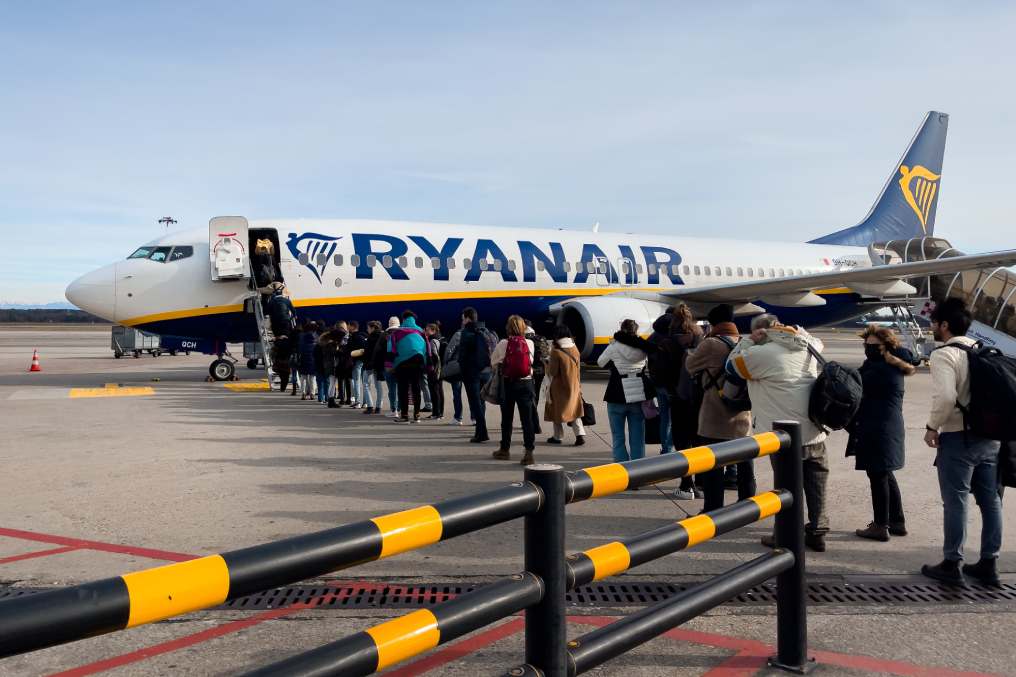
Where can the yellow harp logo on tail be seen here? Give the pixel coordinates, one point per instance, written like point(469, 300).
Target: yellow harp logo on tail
point(919, 186)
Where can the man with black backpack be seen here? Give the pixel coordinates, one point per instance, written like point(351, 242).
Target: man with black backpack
point(967, 458)
point(475, 349)
point(780, 370)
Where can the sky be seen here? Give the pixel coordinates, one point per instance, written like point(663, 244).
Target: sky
point(740, 120)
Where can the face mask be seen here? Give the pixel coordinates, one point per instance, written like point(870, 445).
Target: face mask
point(873, 352)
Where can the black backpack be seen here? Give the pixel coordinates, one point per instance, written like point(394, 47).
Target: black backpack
point(992, 393)
point(688, 389)
point(836, 395)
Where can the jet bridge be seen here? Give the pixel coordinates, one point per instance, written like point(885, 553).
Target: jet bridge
point(989, 294)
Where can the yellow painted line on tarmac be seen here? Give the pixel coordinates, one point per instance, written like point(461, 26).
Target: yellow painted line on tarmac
point(112, 385)
point(110, 392)
point(245, 387)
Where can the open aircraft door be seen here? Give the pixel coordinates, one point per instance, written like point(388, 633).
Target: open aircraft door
point(227, 248)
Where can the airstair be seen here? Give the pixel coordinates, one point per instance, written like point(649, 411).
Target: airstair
point(266, 337)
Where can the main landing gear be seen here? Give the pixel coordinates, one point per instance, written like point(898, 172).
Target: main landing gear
point(223, 369)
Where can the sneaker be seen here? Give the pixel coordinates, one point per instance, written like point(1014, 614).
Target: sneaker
point(416, 418)
point(477, 440)
point(368, 410)
point(699, 494)
point(684, 495)
point(426, 410)
point(580, 440)
point(432, 417)
point(393, 414)
point(402, 419)
point(455, 421)
point(551, 440)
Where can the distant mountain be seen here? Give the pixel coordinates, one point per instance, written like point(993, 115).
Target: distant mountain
point(35, 305)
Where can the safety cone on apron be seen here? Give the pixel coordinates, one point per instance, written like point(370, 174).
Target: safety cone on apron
point(35, 362)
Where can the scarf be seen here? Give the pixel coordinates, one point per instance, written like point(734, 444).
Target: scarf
point(566, 343)
point(725, 329)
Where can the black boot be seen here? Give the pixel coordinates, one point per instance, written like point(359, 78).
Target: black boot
point(985, 571)
point(947, 572)
point(331, 403)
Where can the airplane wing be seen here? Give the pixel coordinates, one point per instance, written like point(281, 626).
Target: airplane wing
point(797, 290)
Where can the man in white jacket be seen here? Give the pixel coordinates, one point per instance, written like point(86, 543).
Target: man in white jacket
point(780, 373)
point(966, 463)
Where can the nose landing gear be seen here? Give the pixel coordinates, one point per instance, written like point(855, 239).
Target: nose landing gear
point(223, 369)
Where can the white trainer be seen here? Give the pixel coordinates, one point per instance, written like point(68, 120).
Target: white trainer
point(455, 421)
point(684, 495)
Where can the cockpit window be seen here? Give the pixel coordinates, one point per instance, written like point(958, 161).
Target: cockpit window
point(160, 254)
point(142, 253)
point(181, 253)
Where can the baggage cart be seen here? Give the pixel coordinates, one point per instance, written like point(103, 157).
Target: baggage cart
point(131, 341)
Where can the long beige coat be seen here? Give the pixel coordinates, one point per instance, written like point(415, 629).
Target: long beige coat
point(565, 404)
point(716, 420)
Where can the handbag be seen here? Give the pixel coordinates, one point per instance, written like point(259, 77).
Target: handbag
point(649, 409)
point(451, 371)
point(491, 391)
point(588, 414)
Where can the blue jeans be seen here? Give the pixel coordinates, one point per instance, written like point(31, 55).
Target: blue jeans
point(964, 468)
point(393, 390)
point(666, 435)
point(356, 375)
point(474, 382)
point(457, 399)
point(378, 381)
point(367, 380)
point(322, 386)
point(631, 413)
point(426, 392)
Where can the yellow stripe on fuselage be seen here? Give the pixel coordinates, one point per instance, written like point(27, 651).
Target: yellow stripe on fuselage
point(179, 314)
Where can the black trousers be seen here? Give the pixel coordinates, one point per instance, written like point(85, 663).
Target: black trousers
point(712, 481)
point(409, 378)
point(472, 381)
point(537, 385)
point(684, 429)
point(436, 394)
point(885, 497)
point(284, 381)
point(517, 393)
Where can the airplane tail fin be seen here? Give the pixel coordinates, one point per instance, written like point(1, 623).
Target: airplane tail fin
point(906, 206)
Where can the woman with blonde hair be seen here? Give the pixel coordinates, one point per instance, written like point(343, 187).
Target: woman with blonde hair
point(877, 434)
point(513, 357)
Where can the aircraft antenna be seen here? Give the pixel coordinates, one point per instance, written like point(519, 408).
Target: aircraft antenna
point(169, 219)
point(596, 228)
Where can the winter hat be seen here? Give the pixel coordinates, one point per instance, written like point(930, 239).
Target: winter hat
point(721, 313)
point(394, 322)
point(530, 331)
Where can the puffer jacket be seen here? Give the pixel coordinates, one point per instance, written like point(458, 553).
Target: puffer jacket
point(408, 346)
point(626, 355)
point(877, 433)
point(329, 342)
point(308, 340)
point(780, 373)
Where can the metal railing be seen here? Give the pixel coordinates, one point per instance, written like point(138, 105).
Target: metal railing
point(54, 617)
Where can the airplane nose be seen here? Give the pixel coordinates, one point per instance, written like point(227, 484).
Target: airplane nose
point(95, 292)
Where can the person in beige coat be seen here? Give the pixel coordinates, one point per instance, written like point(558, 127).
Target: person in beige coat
point(717, 422)
point(564, 401)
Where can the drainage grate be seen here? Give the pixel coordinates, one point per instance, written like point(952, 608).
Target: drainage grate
point(865, 591)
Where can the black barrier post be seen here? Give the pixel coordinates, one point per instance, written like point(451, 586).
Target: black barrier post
point(544, 543)
point(791, 614)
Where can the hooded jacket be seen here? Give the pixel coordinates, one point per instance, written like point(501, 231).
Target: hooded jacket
point(408, 346)
point(780, 373)
point(626, 355)
point(877, 433)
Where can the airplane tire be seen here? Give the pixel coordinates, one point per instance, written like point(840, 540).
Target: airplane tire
point(252, 364)
point(222, 370)
point(137, 354)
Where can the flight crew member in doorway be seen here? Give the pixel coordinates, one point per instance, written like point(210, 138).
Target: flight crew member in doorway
point(780, 373)
point(966, 463)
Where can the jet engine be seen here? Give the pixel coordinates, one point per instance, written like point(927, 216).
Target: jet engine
point(593, 321)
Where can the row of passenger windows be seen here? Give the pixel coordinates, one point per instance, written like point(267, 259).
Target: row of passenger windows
point(590, 267)
point(163, 254)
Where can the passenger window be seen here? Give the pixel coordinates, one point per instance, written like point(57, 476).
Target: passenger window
point(540, 265)
point(371, 260)
point(652, 269)
point(419, 262)
point(322, 259)
point(751, 272)
point(798, 271)
point(717, 269)
point(698, 271)
point(567, 266)
point(638, 268)
point(354, 260)
point(497, 264)
point(142, 253)
point(761, 273)
point(467, 263)
point(675, 270)
point(740, 272)
point(729, 273)
point(772, 273)
point(435, 262)
point(708, 270)
point(160, 254)
point(304, 259)
point(451, 264)
point(590, 268)
point(687, 270)
point(483, 264)
point(181, 253)
point(386, 261)
point(578, 267)
point(337, 259)
point(511, 264)
point(404, 262)
point(781, 272)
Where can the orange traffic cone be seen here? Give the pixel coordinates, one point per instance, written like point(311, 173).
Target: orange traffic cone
point(35, 362)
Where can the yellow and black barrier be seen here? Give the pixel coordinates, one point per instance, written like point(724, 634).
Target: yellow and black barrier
point(613, 558)
point(402, 638)
point(612, 478)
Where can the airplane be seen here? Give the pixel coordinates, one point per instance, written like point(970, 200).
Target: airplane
point(197, 287)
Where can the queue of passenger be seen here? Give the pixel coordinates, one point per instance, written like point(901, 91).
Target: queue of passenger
point(702, 387)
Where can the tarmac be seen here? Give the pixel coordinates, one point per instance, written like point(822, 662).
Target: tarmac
point(100, 484)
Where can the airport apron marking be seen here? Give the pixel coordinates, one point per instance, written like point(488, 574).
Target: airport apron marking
point(110, 392)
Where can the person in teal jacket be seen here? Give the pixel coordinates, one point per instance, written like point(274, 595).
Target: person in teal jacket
point(408, 356)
